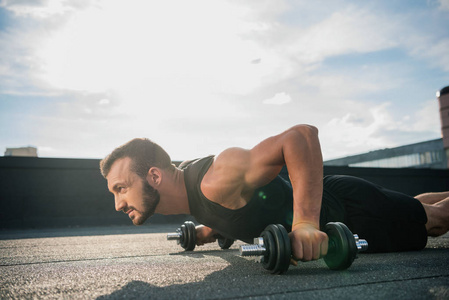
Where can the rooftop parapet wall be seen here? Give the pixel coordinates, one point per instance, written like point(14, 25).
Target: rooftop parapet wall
point(45, 192)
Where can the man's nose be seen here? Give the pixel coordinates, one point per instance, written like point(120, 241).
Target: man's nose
point(120, 203)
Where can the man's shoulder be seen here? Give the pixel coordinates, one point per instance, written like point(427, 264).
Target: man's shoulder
point(190, 162)
point(233, 156)
point(229, 168)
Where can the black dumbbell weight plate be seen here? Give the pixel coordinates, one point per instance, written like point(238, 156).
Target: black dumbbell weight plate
point(338, 256)
point(225, 243)
point(183, 239)
point(352, 247)
point(189, 233)
point(283, 249)
point(269, 258)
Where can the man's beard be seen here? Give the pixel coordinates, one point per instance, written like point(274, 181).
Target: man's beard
point(150, 201)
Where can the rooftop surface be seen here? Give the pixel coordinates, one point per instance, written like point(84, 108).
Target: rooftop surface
point(138, 262)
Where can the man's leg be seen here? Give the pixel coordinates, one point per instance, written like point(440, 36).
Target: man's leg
point(388, 220)
point(432, 198)
point(437, 217)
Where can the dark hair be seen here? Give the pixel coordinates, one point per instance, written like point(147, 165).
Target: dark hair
point(144, 154)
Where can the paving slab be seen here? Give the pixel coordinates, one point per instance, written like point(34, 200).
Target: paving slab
point(139, 263)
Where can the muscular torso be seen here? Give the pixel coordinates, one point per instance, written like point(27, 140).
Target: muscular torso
point(243, 218)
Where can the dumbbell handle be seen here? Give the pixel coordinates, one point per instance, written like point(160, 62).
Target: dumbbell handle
point(258, 248)
point(177, 236)
point(361, 244)
point(174, 236)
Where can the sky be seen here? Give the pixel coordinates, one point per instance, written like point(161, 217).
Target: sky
point(79, 78)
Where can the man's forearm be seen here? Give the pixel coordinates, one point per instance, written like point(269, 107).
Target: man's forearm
point(302, 154)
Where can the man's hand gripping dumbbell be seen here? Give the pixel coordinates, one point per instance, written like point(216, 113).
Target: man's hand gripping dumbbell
point(274, 248)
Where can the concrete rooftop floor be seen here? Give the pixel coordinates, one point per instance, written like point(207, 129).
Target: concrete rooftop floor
point(139, 263)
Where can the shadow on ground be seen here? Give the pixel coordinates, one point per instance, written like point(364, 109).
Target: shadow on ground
point(245, 278)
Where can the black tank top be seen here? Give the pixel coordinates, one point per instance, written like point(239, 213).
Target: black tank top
point(270, 204)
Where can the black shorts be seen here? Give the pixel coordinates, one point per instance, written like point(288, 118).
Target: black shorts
point(390, 221)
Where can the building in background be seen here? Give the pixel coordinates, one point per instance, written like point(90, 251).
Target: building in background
point(432, 154)
point(428, 154)
point(443, 99)
point(23, 151)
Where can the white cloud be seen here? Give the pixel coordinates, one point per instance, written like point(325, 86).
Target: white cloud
point(358, 128)
point(279, 99)
point(444, 5)
point(343, 85)
point(434, 51)
point(104, 101)
point(426, 119)
point(348, 30)
point(43, 9)
point(365, 128)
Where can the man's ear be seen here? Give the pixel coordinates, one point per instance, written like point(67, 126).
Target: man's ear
point(154, 177)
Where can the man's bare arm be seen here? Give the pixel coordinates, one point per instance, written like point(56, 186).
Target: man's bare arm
point(299, 149)
point(238, 172)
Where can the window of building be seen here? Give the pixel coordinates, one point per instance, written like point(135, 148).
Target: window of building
point(403, 161)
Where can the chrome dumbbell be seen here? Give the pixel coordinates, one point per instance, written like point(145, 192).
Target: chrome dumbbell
point(186, 237)
point(274, 249)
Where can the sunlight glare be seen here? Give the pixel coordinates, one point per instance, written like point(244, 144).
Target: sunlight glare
point(135, 47)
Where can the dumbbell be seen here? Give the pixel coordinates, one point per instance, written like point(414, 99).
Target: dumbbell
point(186, 237)
point(274, 249)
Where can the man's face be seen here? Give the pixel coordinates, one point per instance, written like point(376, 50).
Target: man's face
point(133, 195)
